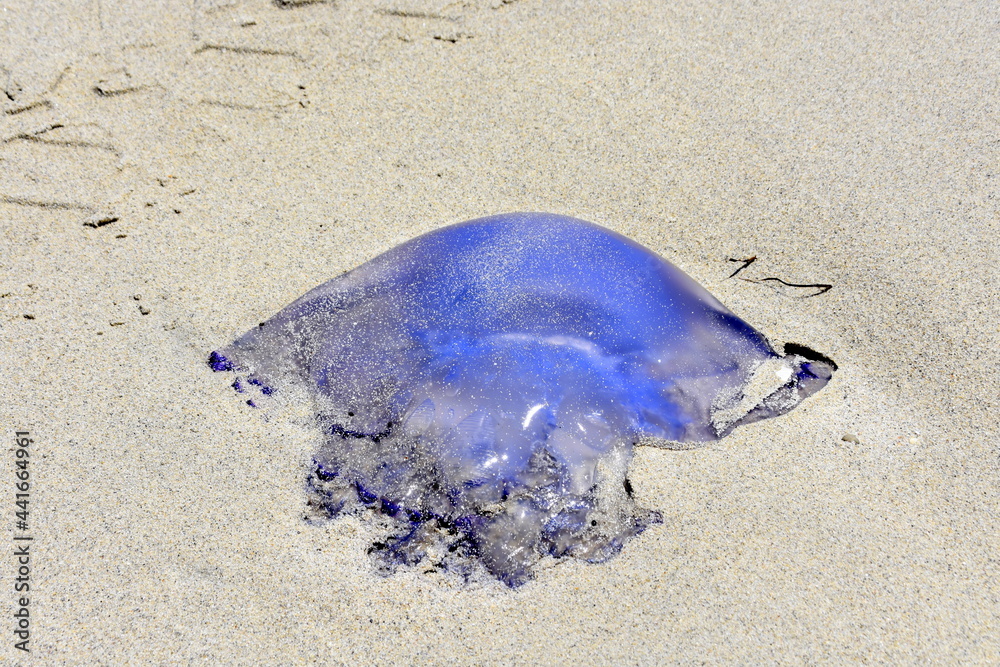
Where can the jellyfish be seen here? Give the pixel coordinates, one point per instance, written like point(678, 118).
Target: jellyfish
point(481, 389)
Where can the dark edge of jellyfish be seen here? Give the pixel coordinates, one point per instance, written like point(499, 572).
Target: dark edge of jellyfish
point(809, 354)
point(322, 500)
point(337, 429)
point(322, 474)
point(365, 496)
point(218, 362)
point(264, 389)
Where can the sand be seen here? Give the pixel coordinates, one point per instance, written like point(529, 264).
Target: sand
point(171, 175)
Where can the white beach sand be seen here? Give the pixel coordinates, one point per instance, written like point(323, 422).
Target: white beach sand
point(249, 151)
